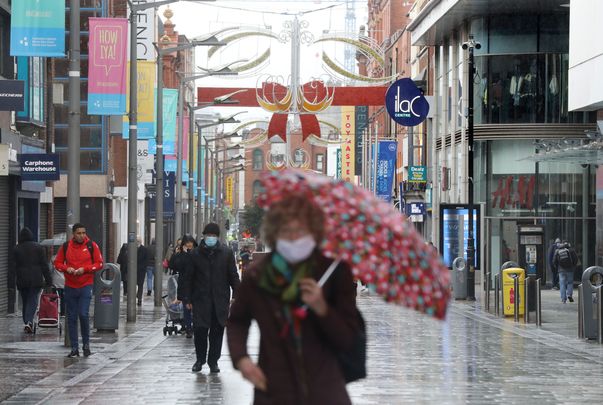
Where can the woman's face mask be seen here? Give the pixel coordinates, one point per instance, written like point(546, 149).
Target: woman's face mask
point(296, 250)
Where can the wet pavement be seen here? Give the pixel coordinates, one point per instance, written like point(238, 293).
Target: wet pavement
point(473, 357)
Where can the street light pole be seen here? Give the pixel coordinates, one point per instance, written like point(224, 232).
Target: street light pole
point(73, 154)
point(470, 46)
point(132, 144)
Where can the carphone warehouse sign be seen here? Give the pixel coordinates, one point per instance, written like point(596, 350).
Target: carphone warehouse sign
point(39, 166)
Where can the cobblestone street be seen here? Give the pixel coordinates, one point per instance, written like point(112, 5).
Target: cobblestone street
point(473, 357)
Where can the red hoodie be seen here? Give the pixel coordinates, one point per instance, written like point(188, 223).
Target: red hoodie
point(79, 256)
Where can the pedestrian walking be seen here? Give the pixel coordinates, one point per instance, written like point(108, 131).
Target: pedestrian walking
point(32, 273)
point(179, 263)
point(141, 269)
point(78, 259)
point(122, 260)
point(301, 324)
point(208, 280)
point(150, 266)
point(566, 259)
point(550, 256)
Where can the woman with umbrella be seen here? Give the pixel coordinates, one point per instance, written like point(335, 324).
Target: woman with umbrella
point(300, 323)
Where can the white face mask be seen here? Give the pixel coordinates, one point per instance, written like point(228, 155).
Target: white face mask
point(295, 251)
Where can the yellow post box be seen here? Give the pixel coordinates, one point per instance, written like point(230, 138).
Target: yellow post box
point(509, 293)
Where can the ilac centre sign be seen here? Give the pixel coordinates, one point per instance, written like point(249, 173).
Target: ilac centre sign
point(405, 103)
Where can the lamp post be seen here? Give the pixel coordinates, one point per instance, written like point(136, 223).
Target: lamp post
point(159, 170)
point(219, 201)
point(470, 46)
point(223, 71)
point(135, 7)
point(208, 156)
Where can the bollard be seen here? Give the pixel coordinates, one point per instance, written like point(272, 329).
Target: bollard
point(516, 299)
point(580, 314)
point(599, 316)
point(538, 303)
point(497, 294)
point(526, 311)
point(487, 297)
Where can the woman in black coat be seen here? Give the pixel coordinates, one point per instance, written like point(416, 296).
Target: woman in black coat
point(210, 276)
point(178, 263)
point(122, 260)
point(33, 273)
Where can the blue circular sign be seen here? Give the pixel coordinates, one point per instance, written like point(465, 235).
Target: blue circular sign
point(405, 103)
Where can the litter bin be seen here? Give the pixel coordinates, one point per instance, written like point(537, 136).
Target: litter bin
point(459, 278)
point(509, 293)
point(106, 298)
point(592, 278)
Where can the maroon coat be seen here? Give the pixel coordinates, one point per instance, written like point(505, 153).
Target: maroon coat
point(312, 377)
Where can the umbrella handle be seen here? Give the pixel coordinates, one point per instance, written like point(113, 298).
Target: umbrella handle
point(328, 273)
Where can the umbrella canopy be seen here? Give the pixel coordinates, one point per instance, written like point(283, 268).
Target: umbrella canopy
point(384, 250)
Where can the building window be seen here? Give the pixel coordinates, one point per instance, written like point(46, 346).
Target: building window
point(320, 162)
point(258, 159)
point(299, 157)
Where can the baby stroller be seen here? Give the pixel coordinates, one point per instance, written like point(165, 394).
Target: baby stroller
point(174, 319)
point(47, 314)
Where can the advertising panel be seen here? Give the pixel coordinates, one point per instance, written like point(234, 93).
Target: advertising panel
point(146, 101)
point(39, 166)
point(405, 103)
point(12, 95)
point(37, 28)
point(107, 66)
point(386, 165)
point(454, 225)
point(348, 134)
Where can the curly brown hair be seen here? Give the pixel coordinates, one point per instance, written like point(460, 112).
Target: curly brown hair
point(290, 208)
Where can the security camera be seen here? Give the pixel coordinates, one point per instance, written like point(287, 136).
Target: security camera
point(465, 45)
point(478, 45)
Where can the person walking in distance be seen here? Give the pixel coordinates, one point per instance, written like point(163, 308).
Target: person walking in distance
point(178, 263)
point(565, 260)
point(550, 256)
point(32, 271)
point(150, 268)
point(141, 269)
point(210, 275)
point(79, 258)
point(122, 260)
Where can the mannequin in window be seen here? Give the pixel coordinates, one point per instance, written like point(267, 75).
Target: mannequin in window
point(530, 91)
point(516, 86)
point(496, 93)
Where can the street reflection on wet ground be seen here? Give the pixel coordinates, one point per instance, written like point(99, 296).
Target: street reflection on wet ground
point(472, 357)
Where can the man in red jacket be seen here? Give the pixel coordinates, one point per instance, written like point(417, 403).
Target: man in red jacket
point(79, 259)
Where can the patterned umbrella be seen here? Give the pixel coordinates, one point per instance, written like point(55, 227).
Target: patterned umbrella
point(385, 252)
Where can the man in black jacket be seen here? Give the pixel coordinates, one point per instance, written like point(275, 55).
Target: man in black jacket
point(32, 270)
point(209, 279)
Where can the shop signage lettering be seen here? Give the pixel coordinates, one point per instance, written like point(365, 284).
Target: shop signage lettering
point(39, 166)
point(405, 103)
point(509, 195)
point(12, 95)
point(417, 174)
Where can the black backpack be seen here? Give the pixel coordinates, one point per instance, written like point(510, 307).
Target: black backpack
point(565, 258)
point(89, 244)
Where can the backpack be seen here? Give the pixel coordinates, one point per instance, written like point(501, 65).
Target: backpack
point(89, 244)
point(565, 259)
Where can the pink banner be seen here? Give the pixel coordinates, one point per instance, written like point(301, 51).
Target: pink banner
point(107, 66)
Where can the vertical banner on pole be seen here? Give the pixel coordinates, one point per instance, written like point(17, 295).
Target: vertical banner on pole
point(146, 101)
point(348, 142)
point(361, 122)
point(170, 109)
point(107, 66)
point(37, 28)
point(338, 169)
point(229, 188)
point(386, 163)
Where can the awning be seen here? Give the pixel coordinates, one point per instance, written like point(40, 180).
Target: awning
point(439, 18)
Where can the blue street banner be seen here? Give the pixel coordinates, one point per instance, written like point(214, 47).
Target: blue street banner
point(405, 103)
point(169, 183)
point(39, 166)
point(386, 165)
point(361, 124)
point(37, 28)
point(170, 118)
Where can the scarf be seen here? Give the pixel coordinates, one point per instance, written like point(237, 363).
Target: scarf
point(282, 281)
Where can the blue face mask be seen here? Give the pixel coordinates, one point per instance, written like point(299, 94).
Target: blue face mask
point(211, 241)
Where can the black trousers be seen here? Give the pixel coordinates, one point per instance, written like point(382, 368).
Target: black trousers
point(216, 334)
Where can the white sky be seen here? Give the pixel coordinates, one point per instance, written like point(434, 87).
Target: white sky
point(194, 20)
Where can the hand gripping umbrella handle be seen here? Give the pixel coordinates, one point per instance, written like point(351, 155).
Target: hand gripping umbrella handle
point(328, 273)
